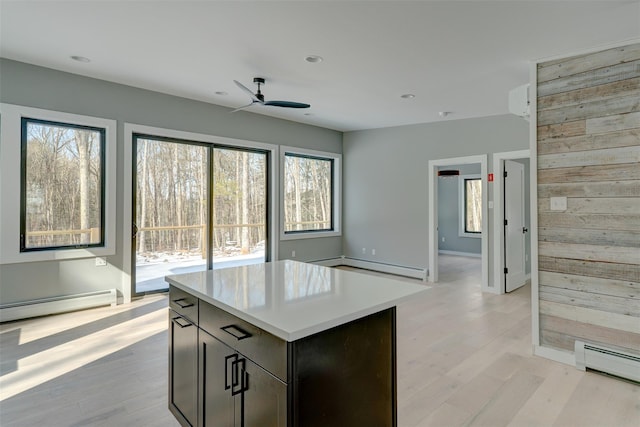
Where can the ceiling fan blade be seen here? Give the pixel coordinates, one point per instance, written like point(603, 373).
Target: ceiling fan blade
point(243, 107)
point(254, 98)
point(286, 104)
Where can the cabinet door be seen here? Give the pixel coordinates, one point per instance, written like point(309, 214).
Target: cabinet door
point(264, 402)
point(183, 369)
point(216, 372)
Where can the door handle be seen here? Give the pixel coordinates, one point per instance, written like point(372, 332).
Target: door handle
point(236, 377)
point(183, 304)
point(134, 230)
point(525, 229)
point(243, 384)
point(236, 332)
point(230, 367)
point(182, 323)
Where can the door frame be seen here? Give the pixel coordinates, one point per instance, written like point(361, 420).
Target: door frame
point(498, 214)
point(433, 216)
point(127, 218)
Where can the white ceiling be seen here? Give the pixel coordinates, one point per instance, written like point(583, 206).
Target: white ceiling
point(456, 56)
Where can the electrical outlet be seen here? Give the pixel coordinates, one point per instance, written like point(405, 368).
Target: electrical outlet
point(364, 250)
point(101, 261)
point(443, 240)
point(293, 254)
point(373, 252)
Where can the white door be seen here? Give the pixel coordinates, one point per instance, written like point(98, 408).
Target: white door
point(514, 229)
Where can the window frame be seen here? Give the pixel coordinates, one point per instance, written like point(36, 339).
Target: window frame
point(24, 122)
point(11, 172)
point(336, 194)
point(462, 206)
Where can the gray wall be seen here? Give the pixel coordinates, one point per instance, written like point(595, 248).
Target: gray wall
point(449, 213)
point(386, 185)
point(39, 87)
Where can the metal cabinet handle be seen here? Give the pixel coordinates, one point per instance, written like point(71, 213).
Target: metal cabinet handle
point(230, 367)
point(182, 322)
point(525, 229)
point(236, 332)
point(182, 304)
point(236, 377)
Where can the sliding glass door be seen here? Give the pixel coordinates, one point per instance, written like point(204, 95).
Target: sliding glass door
point(239, 207)
point(197, 206)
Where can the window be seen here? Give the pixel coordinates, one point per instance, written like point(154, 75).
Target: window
point(470, 206)
point(62, 185)
point(310, 194)
point(57, 185)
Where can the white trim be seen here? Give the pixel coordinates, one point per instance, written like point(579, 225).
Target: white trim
point(560, 356)
point(131, 128)
point(462, 203)
point(337, 193)
point(11, 129)
point(498, 214)
point(398, 270)
point(456, 253)
point(61, 304)
point(533, 197)
point(433, 216)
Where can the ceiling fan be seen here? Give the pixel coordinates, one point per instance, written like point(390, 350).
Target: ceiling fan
point(258, 97)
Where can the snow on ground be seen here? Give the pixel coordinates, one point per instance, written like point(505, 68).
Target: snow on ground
point(150, 271)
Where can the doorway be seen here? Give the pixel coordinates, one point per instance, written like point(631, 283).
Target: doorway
point(196, 206)
point(512, 248)
point(515, 228)
point(434, 166)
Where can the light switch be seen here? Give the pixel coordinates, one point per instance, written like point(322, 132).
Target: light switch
point(558, 204)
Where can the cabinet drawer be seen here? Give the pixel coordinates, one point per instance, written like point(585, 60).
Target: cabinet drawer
point(263, 348)
point(183, 303)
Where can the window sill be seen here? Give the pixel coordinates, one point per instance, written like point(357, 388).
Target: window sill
point(310, 235)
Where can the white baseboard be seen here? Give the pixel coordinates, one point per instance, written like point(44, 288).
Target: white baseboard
point(54, 305)
point(399, 270)
point(456, 253)
point(331, 262)
point(566, 357)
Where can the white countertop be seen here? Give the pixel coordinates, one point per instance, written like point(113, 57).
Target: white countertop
point(293, 300)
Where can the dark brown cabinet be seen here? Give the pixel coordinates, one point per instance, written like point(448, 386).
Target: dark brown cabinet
point(235, 392)
point(226, 372)
point(183, 369)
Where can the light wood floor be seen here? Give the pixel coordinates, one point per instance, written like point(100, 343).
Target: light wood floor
point(464, 358)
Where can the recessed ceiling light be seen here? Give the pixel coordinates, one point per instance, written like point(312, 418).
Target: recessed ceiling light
point(313, 59)
point(80, 58)
point(222, 93)
point(408, 96)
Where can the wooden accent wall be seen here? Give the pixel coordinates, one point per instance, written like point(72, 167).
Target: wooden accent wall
point(588, 148)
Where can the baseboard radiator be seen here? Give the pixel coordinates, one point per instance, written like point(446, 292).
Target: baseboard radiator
point(607, 360)
point(61, 304)
point(417, 273)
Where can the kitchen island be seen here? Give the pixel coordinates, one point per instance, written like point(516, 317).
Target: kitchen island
point(284, 344)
